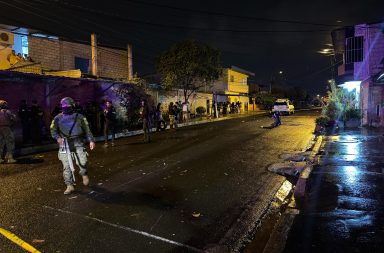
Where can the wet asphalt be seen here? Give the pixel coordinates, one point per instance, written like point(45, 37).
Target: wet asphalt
point(344, 208)
point(178, 193)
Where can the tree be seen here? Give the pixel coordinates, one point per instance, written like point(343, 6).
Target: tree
point(337, 103)
point(130, 96)
point(189, 65)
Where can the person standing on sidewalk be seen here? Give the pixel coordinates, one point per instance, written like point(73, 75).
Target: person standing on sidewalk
point(7, 139)
point(70, 128)
point(36, 122)
point(146, 117)
point(109, 122)
point(25, 116)
point(185, 112)
point(158, 117)
point(172, 111)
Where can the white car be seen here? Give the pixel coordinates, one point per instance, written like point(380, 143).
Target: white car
point(283, 105)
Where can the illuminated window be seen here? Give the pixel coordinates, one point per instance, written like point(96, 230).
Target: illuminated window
point(354, 51)
point(24, 44)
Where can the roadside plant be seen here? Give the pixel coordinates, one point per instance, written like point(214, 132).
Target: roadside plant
point(322, 121)
point(352, 113)
point(200, 110)
point(335, 107)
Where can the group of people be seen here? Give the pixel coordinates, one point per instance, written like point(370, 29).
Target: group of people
point(226, 107)
point(71, 130)
point(31, 117)
point(178, 113)
point(14, 58)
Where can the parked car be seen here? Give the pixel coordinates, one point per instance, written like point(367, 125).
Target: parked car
point(284, 106)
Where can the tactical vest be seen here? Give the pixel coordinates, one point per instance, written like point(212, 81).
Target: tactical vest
point(65, 123)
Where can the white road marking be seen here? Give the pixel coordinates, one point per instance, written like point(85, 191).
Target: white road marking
point(127, 229)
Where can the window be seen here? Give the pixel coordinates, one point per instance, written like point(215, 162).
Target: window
point(354, 51)
point(243, 81)
point(24, 44)
point(231, 78)
point(82, 64)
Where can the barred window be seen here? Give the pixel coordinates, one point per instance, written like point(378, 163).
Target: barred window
point(354, 51)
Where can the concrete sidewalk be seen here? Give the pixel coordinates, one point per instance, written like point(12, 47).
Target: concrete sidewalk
point(344, 206)
point(195, 121)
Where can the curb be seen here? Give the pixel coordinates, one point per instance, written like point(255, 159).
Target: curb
point(125, 133)
point(237, 235)
point(279, 236)
point(301, 184)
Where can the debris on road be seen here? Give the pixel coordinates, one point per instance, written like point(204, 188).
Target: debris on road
point(38, 241)
point(196, 214)
point(288, 168)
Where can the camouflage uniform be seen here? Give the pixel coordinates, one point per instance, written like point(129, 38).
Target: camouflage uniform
point(7, 138)
point(60, 128)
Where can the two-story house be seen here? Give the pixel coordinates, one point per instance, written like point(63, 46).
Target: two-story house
point(361, 51)
point(233, 87)
point(46, 54)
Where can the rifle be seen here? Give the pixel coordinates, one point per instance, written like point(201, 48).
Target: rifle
point(69, 157)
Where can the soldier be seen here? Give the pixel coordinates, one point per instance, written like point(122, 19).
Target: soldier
point(72, 127)
point(7, 118)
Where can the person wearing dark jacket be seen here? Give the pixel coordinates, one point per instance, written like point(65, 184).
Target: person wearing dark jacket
point(145, 116)
point(25, 116)
point(172, 112)
point(109, 122)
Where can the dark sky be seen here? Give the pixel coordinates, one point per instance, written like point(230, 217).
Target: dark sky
point(260, 36)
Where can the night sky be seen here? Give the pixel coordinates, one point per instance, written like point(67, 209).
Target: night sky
point(264, 37)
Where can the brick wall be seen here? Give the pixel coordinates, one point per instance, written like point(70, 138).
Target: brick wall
point(60, 55)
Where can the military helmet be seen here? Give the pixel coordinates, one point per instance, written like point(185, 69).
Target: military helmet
point(67, 102)
point(3, 104)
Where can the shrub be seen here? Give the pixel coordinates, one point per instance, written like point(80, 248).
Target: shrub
point(352, 113)
point(200, 110)
point(322, 121)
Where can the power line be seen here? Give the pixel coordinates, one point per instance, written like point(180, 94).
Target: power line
point(230, 15)
point(319, 71)
point(116, 16)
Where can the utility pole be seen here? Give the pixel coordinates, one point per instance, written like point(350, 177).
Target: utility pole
point(130, 67)
point(94, 54)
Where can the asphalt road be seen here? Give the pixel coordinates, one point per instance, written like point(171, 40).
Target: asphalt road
point(179, 193)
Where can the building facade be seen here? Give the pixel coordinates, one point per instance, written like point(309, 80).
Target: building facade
point(362, 53)
point(233, 87)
